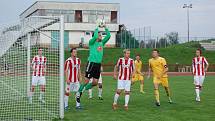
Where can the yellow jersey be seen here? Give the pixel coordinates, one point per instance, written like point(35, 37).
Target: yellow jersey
point(138, 66)
point(158, 65)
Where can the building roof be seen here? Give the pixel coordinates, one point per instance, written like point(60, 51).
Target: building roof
point(57, 4)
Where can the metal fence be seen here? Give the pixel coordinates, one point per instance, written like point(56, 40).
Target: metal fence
point(142, 38)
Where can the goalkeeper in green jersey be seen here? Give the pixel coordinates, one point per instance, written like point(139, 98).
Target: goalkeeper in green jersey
point(93, 68)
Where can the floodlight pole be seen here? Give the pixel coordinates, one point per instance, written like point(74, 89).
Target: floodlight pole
point(188, 20)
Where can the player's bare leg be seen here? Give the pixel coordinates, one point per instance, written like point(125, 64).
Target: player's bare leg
point(116, 96)
point(87, 85)
point(127, 96)
point(95, 82)
point(31, 94)
point(42, 91)
point(66, 97)
point(168, 94)
point(141, 86)
point(156, 93)
point(91, 85)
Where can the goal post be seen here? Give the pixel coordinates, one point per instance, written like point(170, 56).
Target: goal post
point(23, 44)
point(61, 67)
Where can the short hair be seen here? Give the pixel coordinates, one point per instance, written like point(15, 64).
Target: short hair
point(156, 50)
point(199, 50)
point(138, 55)
point(93, 33)
point(40, 49)
point(125, 50)
point(72, 50)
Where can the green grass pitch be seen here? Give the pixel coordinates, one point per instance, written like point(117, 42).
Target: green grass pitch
point(141, 106)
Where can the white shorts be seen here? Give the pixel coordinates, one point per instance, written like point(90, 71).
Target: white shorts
point(198, 80)
point(38, 80)
point(124, 84)
point(74, 86)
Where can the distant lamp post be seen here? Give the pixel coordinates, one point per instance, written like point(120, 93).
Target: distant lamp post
point(188, 20)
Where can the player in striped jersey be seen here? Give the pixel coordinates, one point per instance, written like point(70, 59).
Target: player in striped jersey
point(73, 76)
point(126, 69)
point(199, 66)
point(38, 76)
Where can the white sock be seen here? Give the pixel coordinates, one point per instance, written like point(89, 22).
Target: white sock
point(126, 99)
point(41, 95)
point(77, 104)
point(116, 98)
point(197, 92)
point(100, 92)
point(66, 100)
point(90, 93)
point(77, 96)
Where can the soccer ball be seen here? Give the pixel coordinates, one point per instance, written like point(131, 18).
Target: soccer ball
point(100, 23)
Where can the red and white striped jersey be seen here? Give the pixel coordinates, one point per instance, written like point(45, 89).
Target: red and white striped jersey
point(126, 67)
point(39, 64)
point(198, 66)
point(72, 66)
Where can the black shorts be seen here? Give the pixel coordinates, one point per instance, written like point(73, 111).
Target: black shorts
point(93, 70)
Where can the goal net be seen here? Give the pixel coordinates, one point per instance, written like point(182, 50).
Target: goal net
point(32, 54)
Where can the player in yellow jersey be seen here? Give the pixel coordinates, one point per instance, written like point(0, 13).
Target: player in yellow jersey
point(138, 75)
point(159, 68)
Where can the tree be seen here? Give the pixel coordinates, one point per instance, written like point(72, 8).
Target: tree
point(163, 42)
point(172, 37)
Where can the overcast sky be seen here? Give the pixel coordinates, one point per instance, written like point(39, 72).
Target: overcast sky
point(162, 15)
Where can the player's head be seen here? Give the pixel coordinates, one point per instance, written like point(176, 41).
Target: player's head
point(126, 53)
point(198, 52)
point(73, 52)
point(99, 39)
point(40, 51)
point(155, 53)
point(138, 57)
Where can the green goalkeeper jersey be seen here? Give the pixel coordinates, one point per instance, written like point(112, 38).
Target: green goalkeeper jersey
point(96, 48)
